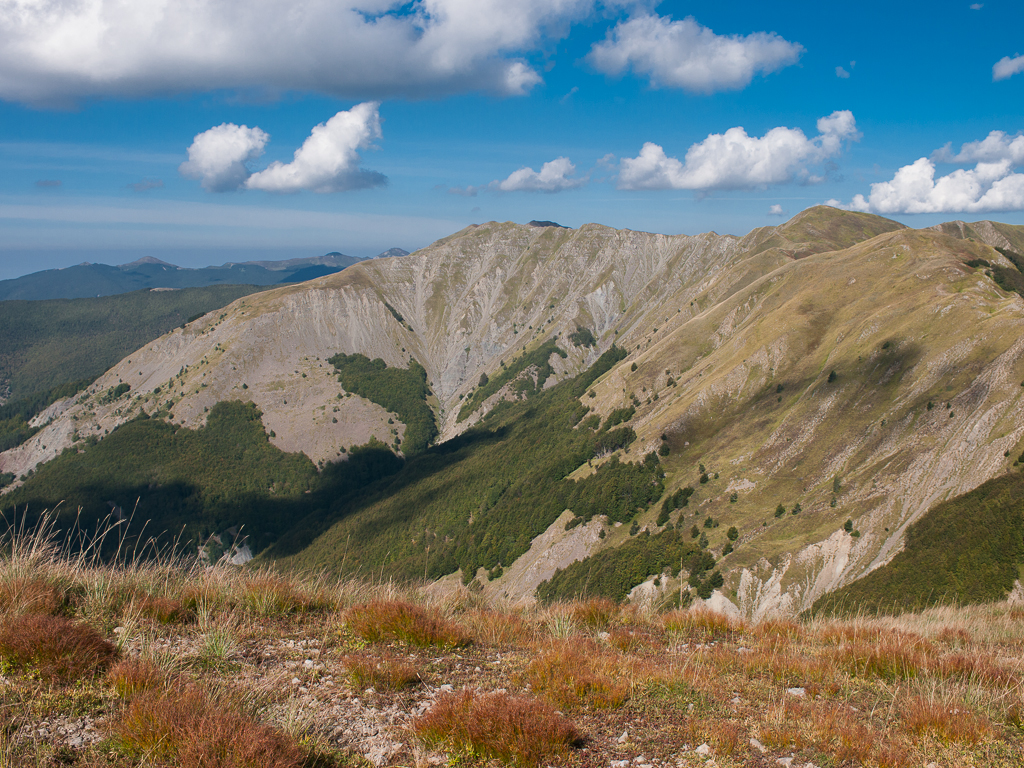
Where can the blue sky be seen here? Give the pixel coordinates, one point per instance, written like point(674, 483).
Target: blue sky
point(170, 129)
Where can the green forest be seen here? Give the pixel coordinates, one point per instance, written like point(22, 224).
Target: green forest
point(965, 550)
point(539, 358)
point(45, 344)
point(614, 572)
point(403, 391)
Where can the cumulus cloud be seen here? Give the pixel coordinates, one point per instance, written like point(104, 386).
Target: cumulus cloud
point(991, 185)
point(734, 160)
point(328, 161)
point(554, 176)
point(58, 51)
point(776, 210)
point(684, 54)
point(218, 157)
point(840, 72)
point(1007, 67)
point(976, 6)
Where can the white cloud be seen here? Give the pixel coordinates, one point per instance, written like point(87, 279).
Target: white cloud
point(54, 51)
point(991, 185)
point(1007, 67)
point(776, 210)
point(994, 147)
point(840, 72)
point(554, 176)
point(218, 156)
point(684, 54)
point(328, 161)
point(734, 160)
point(976, 6)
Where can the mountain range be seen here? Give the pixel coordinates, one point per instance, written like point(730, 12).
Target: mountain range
point(90, 280)
point(526, 408)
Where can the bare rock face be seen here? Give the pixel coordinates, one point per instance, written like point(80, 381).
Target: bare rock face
point(840, 362)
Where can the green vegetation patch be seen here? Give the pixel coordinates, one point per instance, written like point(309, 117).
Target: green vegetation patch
point(480, 499)
point(186, 483)
point(965, 550)
point(14, 417)
point(400, 390)
point(44, 344)
point(539, 357)
point(612, 573)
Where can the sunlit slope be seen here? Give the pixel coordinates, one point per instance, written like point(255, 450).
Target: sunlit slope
point(907, 328)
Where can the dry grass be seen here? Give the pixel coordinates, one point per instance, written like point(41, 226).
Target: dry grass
point(699, 625)
point(942, 686)
point(577, 674)
point(388, 620)
point(383, 673)
point(55, 648)
point(183, 726)
point(130, 677)
point(513, 729)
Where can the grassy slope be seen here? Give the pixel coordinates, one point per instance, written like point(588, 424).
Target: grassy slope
point(965, 550)
point(44, 344)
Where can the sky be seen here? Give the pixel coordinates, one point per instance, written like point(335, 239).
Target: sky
point(210, 131)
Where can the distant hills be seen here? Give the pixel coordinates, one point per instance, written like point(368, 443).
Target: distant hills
point(92, 280)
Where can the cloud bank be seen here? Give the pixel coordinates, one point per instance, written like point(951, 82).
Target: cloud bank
point(684, 54)
point(991, 185)
point(328, 161)
point(57, 50)
point(734, 160)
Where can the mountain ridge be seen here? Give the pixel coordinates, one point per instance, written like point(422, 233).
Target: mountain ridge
point(750, 355)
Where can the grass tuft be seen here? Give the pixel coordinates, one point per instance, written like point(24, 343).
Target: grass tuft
point(513, 729)
point(578, 674)
point(701, 625)
point(130, 677)
point(382, 673)
point(184, 727)
point(55, 648)
point(388, 620)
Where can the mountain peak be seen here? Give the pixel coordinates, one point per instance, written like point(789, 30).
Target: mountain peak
point(147, 260)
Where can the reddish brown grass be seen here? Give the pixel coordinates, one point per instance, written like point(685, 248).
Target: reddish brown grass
point(950, 722)
point(383, 673)
point(165, 610)
point(497, 628)
point(893, 656)
point(130, 677)
point(578, 674)
point(30, 595)
point(266, 594)
point(956, 637)
point(977, 667)
point(596, 613)
point(385, 620)
point(626, 640)
point(701, 625)
point(513, 729)
point(184, 727)
point(56, 648)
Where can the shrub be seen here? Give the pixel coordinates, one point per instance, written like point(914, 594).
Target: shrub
point(733, 533)
point(513, 729)
point(780, 511)
point(384, 673)
point(381, 621)
point(56, 648)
